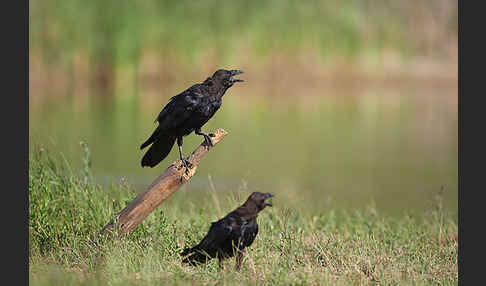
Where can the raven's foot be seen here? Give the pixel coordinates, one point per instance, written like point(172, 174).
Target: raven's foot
point(187, 165)
point(207, 139)
point(220, 264)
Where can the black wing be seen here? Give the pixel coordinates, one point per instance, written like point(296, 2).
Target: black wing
point(218, 234)
point(179, 109)
point(249, 231)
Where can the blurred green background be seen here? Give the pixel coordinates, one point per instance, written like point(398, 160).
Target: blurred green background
point(344, 102)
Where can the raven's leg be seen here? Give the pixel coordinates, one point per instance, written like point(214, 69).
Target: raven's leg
point(220, 263)
point(186, 163)
point(207, 137)
point(239, 259)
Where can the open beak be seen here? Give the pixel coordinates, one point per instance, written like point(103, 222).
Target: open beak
point(236, 72)
point(267, 200)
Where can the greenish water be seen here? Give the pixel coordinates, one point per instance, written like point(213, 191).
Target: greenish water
point(312, 147)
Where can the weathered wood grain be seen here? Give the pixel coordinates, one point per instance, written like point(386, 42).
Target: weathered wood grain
point(161, 188)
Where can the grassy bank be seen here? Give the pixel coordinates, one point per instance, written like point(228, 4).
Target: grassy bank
point(333, 247)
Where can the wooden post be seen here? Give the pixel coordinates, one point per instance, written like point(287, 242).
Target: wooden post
point(160, 189)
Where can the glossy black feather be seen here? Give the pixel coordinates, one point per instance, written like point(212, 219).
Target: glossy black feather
point(233, 233)
point(185, 113)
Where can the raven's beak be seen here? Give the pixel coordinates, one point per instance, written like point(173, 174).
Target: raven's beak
point(267, 199)
point(233, 73)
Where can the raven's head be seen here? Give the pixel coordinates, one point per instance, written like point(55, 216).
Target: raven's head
point(261, 200)
point(226, 77)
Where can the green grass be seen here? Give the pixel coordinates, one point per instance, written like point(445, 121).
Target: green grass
point(332, 247)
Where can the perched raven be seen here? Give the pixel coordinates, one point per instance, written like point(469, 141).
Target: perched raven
point(187, 112)
point(231, 234)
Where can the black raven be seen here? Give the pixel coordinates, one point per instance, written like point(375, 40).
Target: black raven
point(231, 234)
point(186, 112)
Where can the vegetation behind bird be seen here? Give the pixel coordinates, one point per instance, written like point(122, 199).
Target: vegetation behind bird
point(118, 33)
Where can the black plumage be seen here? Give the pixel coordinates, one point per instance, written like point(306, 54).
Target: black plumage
point(185, 113)
point(231, 234)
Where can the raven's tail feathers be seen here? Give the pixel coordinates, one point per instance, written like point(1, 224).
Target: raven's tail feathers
point(151, 139)
point(194, 256)
point(158, 151)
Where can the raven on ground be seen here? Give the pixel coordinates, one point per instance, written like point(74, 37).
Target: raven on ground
point(231, 234)
point(187, 112)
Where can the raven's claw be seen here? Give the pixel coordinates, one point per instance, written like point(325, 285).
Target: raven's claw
point(208, 141)
point(187, 165)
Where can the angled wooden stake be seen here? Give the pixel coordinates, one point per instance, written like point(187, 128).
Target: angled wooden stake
point(160, 189)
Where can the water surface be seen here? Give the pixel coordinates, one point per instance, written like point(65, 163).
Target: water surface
point(316, 148)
